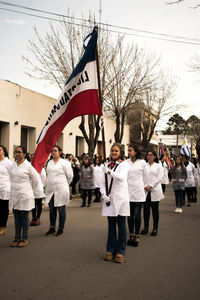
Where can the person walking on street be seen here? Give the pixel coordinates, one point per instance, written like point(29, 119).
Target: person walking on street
point(24, 182)
point(138, 178)
point(196, 179)
point(97, 178)
point(59, 176)
point(190, 181)
point(155, 193)
point(115, 203)
point(5, 165)
point(76, 173)
point(166, 169)
point(87, 181)
point(179, 175)
point(37, 211)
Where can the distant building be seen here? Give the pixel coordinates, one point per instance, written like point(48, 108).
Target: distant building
point(136, 114)
point(23, 114)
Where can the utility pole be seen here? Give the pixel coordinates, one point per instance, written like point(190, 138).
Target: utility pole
point(100, 13)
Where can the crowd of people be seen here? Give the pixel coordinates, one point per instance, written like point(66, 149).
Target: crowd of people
point(126, 186)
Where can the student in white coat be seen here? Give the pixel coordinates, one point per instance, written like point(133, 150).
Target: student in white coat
point(166, 167)
point(37, 211)
point(138, 178)
point(115, 203)
point(196, 179)
point(97, 178)
point(59, 176)
point(5, 164)
point(190, 181)
point(24, 181)
point(155, 193)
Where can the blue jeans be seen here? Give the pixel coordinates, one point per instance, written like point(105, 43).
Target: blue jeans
point(21, 223)
point(179, 198)
point(53, 214)
point(116, 243)
point(134, 221)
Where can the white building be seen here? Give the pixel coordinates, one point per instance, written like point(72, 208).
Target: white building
point(23, 114)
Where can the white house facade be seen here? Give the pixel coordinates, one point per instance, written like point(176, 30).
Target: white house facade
point(23, 114)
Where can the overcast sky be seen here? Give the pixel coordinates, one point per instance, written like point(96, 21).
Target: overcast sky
point(147, 15)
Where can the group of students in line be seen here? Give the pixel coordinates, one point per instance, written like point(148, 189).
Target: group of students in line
point(124, 185)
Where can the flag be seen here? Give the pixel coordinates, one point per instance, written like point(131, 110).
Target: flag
point(79, 97)
point(162, 151)
point(185, 150)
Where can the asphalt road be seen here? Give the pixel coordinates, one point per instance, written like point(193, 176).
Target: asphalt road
point(72, 266)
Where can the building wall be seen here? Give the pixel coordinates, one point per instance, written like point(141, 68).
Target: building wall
point(24, 112)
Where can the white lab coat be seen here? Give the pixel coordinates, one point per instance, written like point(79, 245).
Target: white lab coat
point(155, 176)
point(196, 177)
point(97, 175)
point(24, 180)
point(190, 180)
point(138, 178)
point(59, 176)
point(165, 167)
point(119, 192)
point(38, 194)
point(5, 178)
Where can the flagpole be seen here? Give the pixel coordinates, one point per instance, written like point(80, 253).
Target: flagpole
point(102, 128)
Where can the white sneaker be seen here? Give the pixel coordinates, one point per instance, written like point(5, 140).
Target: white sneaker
point(180, 211)
point(176, 210)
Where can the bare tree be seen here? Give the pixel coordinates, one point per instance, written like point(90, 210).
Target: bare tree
point(153, 105)
point(129, 74)
point(194, 64)
point(179, 1)
point(55, 56)
point(193, 131)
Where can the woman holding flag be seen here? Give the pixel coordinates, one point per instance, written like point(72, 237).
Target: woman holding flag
point(115, 203)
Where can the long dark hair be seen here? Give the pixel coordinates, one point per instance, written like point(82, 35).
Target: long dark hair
point(184, 173)
point(89, 160)
point(138, 152)
point(154, 154)
point(24, 152)
point(4, 150)
point(100, 161)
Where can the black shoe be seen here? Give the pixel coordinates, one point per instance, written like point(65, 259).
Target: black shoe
point(59, 232)
point(133, 241)
point(145, 230)
point(154, 232)
point(50, 231)
point(88, 205)
point(82, 205)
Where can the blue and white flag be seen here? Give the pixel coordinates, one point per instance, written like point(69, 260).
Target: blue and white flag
point(185, 150)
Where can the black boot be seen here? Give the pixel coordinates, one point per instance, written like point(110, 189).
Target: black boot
point(145, 230)
point(83, 203)
point(130, 241)
point(154, 232)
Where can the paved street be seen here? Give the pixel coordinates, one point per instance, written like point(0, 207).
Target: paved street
point(72, 266)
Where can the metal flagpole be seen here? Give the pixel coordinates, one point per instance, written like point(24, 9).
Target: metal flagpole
point(102, 127)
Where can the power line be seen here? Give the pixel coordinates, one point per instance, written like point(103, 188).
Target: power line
point(105, 24)
point(164, 37)
point(42, 17)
